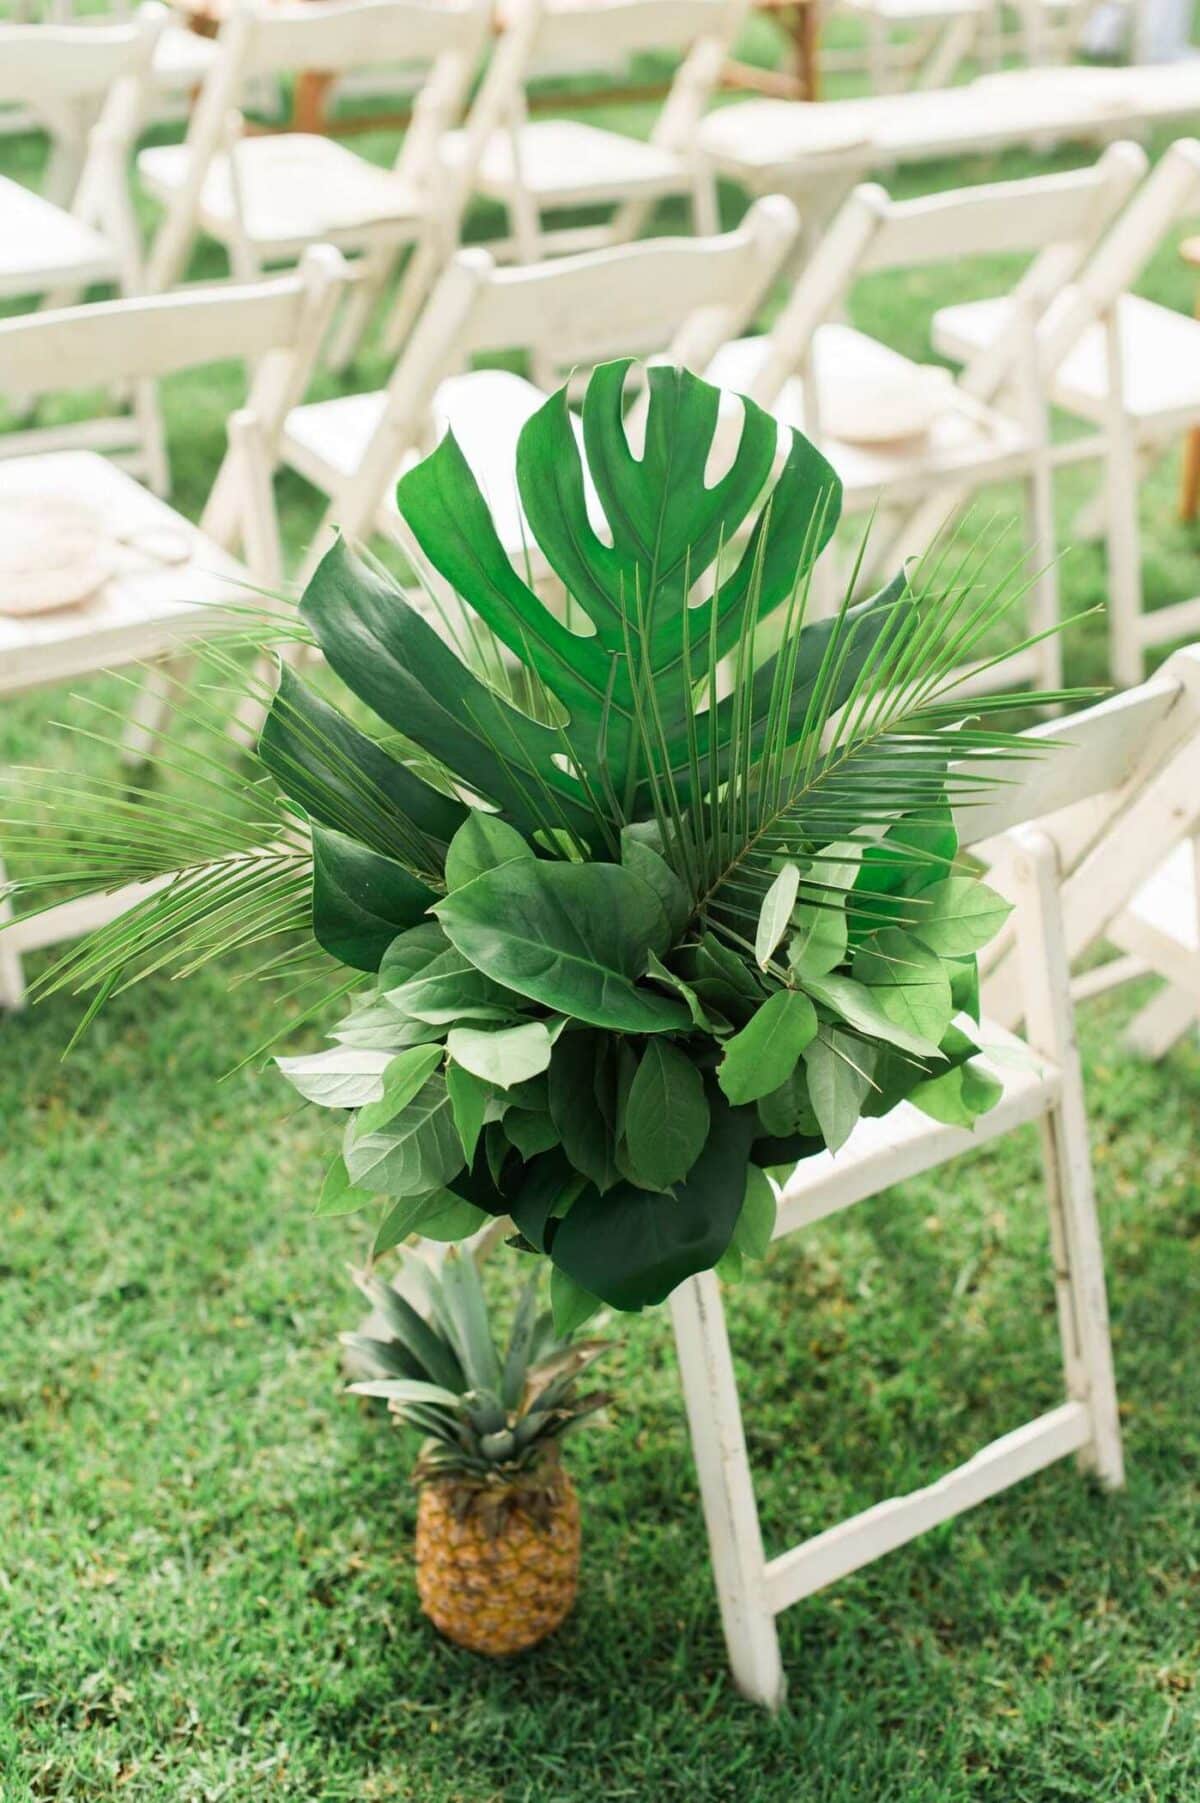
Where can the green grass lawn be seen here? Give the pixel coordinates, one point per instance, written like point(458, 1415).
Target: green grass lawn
point(205, 1577)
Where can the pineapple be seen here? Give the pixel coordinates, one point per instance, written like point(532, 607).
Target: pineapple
point(498, 1516)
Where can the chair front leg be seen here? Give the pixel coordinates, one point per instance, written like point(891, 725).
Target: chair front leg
point(727, 1493)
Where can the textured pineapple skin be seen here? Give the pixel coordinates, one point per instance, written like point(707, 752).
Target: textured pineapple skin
point(496, 1593)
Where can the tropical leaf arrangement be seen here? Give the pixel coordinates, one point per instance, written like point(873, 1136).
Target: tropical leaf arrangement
point(643, 896)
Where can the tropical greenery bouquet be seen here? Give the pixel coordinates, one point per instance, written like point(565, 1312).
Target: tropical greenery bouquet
point(644, 897)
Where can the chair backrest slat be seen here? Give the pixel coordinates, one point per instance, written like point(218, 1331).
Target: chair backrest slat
point(1171, 190)
point(630, 300)
point(1087, 754)
point(71, 62)
point(339, 35)
point(1055, 217)
point(992, 219)
point(143, 339)
point(609, 29)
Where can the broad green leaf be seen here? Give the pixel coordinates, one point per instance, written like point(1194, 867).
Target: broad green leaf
point(571, 1304)
point(481, 843)
point(858, 1006)
point(819, 939)
point(788, 1110)
point(439, 1215)
point(765, 1053)
point(632, 1248)
point(450, 989)
point(775, 913)
point(656, 873)
point(657, 971)
point(341, 1077)
point(756, 1223)
point(406, 1073)
point(959, 1096)
point(345, 781)
point(574, 937)
point(404, 1390)
point(453, 1219)
point(338, 1195)
point(361, 900)
point(957, 916)
point(964, 986)
point(840, 1069)
point(666, 1115)
point(908, 981)
point(410, 953)
point(582, 1104)
point(374, 1026)
point(530, 1131)
point(504, 1057)
point(417, 1151)
point(469, 1098)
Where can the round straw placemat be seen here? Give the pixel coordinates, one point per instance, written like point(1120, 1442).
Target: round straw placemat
point(54, 553)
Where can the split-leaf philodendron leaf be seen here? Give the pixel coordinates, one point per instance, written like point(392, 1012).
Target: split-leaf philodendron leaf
point(650, 864)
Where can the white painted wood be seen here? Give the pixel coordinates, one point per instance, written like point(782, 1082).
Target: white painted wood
point(169, 583)
point(907, 1143)
point(1128, 365)
point(950, 439)
point(791, 147)
point(879, 1530)
point(722, 1466)
point(265, 198)
point(1065, 835)
point(1074, 1228)
point(534, 167)
point(1158, 1027)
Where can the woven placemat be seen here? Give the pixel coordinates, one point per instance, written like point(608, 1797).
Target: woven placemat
point(54, 553)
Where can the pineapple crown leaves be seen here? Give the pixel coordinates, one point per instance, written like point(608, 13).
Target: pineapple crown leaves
point(653, 891)
point(435, 1363)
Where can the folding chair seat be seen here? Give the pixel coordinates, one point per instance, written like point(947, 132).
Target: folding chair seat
point(678, 292)
point(963, 437)
point(534, 167)
point(266, 197)
point(1054, 828)
point(1125, 365)
point(908, 440)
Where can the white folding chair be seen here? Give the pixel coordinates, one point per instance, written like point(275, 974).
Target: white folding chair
point(919, 43)
point(157, 582)
point(682, 293)
point(537, 166)
point(1108, 758)
point(1130, 865)
point(909, 441)
point(86, 85)
point(1127, 366)
point(266, 197)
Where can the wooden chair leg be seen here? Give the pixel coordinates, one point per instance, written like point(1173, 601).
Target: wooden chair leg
point(730, 1513)
point(1074, 1226)
point(12, 977)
